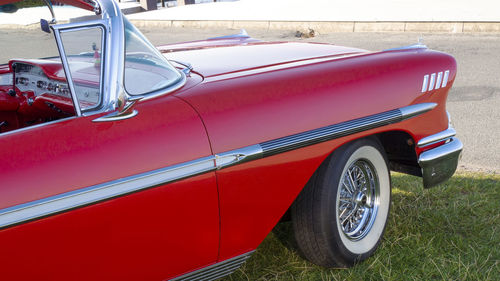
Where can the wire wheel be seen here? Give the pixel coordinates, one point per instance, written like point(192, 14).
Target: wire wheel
point(340, 216)
point(359, 199)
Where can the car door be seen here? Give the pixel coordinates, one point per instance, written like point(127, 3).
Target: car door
point(132, 199)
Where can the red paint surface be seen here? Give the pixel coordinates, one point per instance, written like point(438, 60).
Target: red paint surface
point(169, 230)
point(153, 234)
point(250, 109)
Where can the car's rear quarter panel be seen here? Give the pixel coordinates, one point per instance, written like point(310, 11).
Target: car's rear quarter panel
point(240, 110)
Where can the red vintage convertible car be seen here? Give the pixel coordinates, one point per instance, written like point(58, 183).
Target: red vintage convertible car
point(123, 161)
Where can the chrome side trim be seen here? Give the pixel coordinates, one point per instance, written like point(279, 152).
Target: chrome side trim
point(238, 156)
point(343, 129)
point(441, 136)
point(217, 270)
point(97, 193)
point(439, 164)
point(327, 133)
point(416, 109)
point(89, 195)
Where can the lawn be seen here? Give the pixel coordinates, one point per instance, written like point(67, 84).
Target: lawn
point(449, 232)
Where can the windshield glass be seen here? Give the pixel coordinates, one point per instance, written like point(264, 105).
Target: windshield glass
point(146, 69)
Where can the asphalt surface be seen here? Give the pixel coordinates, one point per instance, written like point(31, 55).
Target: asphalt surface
point(474, 101)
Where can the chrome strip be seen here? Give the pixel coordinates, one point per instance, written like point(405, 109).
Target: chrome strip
point(445, 78)
point(243, 34)
point(438, 81)
point(238, 156)
point(425, 84)
point(410, 47)
point(416, 109)
point(93, 194)
point(432, 81)
point(85, 196)
point(216, 271)
point(343, 129)
point(441, 136)
point(327, 133)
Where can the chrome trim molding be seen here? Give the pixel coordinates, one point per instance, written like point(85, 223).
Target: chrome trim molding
point(439, 164)
point(425, 84)
point(410, 47)
point(343, 129)
point(432, 81)
point(238, 156)
point(439, 80)
point(327, 133)
point(89, 195)
point(441, 136)
point(215, 271)
point(416, 109)
point(116, 116)
point(243, 34)
point(97, 193)
point(445, 78)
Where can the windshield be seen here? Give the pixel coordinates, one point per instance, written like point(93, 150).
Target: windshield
point(146, 69)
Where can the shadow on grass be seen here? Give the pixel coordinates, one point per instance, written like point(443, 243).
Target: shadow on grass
point(449, 232)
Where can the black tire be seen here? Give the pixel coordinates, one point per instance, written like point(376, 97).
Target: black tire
point(321, 236)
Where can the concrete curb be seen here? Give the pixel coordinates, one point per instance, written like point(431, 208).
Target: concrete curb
point(334, 26)
point(320, 27)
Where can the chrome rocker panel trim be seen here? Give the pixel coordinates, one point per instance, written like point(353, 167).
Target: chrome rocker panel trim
point(440, 163)
point(216, 271)
point(93, 194)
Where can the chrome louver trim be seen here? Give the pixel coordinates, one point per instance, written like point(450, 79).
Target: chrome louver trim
point(217, 270)
point(437, 80)
point(93, 194)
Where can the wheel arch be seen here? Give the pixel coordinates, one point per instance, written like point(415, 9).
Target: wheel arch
point(399, 147)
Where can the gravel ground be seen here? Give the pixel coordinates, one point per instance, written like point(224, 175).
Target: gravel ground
point(474, 102)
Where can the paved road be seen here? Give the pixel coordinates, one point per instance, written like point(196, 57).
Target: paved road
point(474, 102)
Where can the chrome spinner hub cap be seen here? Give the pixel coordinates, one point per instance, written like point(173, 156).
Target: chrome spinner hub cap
point(359, 196)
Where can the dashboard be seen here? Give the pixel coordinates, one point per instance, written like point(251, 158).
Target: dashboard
point(36, 91)
point(29, 77)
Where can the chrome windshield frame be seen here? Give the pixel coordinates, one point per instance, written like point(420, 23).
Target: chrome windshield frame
point(114, 95)
point(62, 28)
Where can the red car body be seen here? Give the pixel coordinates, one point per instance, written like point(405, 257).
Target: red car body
point(240, 93)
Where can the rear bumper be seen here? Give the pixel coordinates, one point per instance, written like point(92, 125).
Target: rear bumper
point(439, 164)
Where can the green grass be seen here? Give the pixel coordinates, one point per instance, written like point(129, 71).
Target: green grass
point(449, 232)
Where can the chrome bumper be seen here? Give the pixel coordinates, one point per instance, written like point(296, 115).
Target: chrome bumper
point(439, 164)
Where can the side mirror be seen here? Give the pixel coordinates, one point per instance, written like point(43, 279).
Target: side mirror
point(44, 25)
